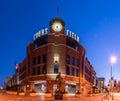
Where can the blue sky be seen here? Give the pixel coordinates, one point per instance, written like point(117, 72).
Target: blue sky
point(96, 22)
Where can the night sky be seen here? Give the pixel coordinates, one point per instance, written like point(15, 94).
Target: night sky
point(96, 22)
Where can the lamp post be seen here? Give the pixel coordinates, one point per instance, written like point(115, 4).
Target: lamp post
point(113, 60)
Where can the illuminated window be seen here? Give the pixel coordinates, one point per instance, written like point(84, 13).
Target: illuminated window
point(56, 59)
point(68, 70)
point(56, 67)
point(42, 87)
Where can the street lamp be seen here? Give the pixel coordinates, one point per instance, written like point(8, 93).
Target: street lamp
point(113, 60)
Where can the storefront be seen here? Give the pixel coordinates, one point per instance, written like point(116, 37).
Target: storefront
point(70, 87)
point(40, 87)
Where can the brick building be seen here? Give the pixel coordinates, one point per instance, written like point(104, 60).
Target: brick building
point(100, 84)
point(55, 50)
point(88, 77)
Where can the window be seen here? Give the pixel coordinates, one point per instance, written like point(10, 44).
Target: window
point(73, 70)
point(77, 62)
point(35, 46)
point(38, 70)
point(38, 59)
point(87, 70)
point(77, 72)
point(56, 67)
point(34, 71)
point(34, 61)
point(44, 59)
point(87, 78)
point(56, 59)
point(68, 59)
point(73, 61)
point(76, 48)
point(44, 69)
point(68, 70)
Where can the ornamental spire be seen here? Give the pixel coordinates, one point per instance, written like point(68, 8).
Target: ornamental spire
point(58, 8)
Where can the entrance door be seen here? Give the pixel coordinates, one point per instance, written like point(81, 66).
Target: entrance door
point(70, 88)
point(54, 88)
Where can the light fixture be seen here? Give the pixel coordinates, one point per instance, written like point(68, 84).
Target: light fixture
point(56, 58)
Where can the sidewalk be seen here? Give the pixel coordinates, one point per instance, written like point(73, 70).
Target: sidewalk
point(82, 98)
point(10, 97)
point(109, 97)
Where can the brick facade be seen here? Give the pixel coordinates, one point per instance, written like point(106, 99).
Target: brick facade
point(49, 55)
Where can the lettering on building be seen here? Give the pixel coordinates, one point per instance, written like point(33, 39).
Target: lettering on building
point(72, 35)
point(40, 33)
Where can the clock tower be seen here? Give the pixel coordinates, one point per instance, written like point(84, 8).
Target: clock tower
point(57, 26)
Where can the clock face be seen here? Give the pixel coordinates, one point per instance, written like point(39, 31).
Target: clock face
point(57, 27)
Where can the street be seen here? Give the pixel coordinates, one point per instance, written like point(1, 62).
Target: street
point(10, 97)
point(112, 97)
